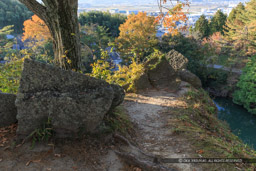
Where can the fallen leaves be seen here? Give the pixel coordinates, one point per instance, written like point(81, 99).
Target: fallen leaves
point(4, 132)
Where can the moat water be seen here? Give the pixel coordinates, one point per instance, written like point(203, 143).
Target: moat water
point(241, 122)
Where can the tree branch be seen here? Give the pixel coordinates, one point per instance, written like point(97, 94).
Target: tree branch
point(36, 8)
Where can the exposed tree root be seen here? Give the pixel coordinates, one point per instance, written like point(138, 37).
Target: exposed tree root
point(132, 155)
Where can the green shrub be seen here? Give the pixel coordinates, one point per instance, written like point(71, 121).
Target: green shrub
point(10, 74)
point(211, 77)
point(125, 75)
point(246, 93)
point(42, 134)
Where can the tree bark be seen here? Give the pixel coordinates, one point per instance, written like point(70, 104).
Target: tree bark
point(61, 18)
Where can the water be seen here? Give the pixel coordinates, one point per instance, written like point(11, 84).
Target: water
point(241, 122)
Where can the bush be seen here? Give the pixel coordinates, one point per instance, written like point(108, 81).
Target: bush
point(211, 77)
point(10, 74)
point(246, 93)
point(124, 76)
point(188, 47)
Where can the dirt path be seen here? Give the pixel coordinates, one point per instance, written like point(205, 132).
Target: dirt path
point(147, 110)
point(154, 136)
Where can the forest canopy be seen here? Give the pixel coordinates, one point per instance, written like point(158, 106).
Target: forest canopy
point(14, 13)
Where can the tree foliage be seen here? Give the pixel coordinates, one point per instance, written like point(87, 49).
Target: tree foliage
point(241, 28)
point(246, 93)
point(202, 26)
point(175, 13)
point(104, 19)
point(10, 74)
point(36, 30)
point(5, 44)
point(217, 22)
point(187, 46)
point(137, 37)
point(13, 13)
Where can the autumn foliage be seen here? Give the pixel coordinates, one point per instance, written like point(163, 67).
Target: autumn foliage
point(35, 29)
point(137, 36)
point(214, 41)
point(175, 14)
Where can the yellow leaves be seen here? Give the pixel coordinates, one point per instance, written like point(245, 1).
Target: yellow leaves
point(73, 34)
point(137, 35)
point(69, 61)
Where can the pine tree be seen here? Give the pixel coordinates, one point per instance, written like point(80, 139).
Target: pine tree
point(249, 18)
point(241, 27)
point(202, 26)
point(217, 22)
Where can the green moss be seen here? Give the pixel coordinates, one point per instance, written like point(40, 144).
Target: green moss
point(155, 59)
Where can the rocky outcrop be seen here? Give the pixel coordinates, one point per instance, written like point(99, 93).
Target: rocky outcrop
point(166, 72)
point(8, 109)
point(190, 78)
point(160, 73)
point(74, 102)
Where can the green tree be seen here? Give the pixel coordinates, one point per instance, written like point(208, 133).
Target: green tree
point(104, 19)
point(238, 10)
point(6, 44)
point(217, 23)
point(246, 93)
point(187, 46)
point(202, 26)
point(241, 28)
point(235, 22)
point(13, 13)
point(94, 39)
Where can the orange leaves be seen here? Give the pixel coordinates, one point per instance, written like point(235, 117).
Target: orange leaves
point(35, 28)
point(174, 15)
point(214, 42)
point(200, 151)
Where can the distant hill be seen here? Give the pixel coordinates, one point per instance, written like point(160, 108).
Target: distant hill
point(119, 2)
point(144, 2)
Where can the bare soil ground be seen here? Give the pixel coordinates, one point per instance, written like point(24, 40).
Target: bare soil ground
point(153, 137)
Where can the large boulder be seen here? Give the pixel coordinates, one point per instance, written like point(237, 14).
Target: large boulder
point(161, 71)
point(73, 102)
point(165, 71)
point(190, 78)
point(8, 109)
point(161, 74)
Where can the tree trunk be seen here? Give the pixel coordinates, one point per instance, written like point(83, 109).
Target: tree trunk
point(61, 18)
